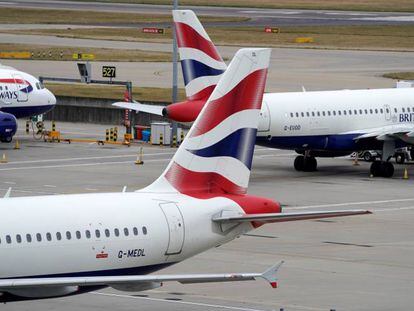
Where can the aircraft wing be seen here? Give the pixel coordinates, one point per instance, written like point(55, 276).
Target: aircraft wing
point(14, 284)
point(152, 109)
point(225, 217)
point(396, 131)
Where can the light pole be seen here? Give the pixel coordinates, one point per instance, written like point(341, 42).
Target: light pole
point(175, 72)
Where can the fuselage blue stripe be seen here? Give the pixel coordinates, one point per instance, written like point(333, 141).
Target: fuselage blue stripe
point(193, 69)
point(238, 145)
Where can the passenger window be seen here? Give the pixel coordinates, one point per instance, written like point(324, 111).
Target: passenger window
point(48, 236)
point(334, 113)
point(38, 237)
point(403, 109)
point(19, 238)
point(297, 115)
point(339, 112)
point(329, 112)
point(313, 113)
point(68, 235)
point(107, 233)
point(319, 114)
point(144, 230)
point(370, 111)
point(376, 110)
point(408, 109)
point(6, 88)
point(28, 238)
point(87, 234)
point(1, 88)
point(387, 110)
point(395, 110)
point(58, 236)
point(307, 114)
point(126, 232)
point(302, 114)
point(78, 235)
point(135, 230)
point(97, 233)
point(381, 110)
point(291, 114)
point(116, 232)
point(8, 239)
point(323, 113)
point(366, 111)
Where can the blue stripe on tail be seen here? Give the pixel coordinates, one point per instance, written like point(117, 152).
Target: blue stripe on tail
point(238, 144)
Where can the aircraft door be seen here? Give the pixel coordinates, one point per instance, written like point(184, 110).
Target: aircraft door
point(264, 118)
point(387, 112)
point(175, 223)
point(22, 87)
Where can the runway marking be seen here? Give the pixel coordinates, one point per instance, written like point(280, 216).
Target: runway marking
point(75, 165)
point(351, 203)
point(88, 158)
point(9, 182)
point(49, 186)
point(31, 191)
point(179, 302)
point(394, 209)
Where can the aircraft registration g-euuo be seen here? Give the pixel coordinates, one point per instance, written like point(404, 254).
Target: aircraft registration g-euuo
point(21, 96)
point(61, 245)
point(314, 124)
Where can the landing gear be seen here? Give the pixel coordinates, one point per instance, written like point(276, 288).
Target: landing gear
point(305, 164)
point(382, 169)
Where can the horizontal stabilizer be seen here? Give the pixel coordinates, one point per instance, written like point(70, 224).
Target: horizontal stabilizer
point(138, 107)
point(22, 283)
point(282, 217)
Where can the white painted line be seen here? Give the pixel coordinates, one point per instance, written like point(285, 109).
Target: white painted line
point(49, 186)
point(178, 302)
point(75, 165)
point(9, 182)
point(351, 204)
point(32, 191)
point(394, 209)
point(91, 189)
point(89, 158)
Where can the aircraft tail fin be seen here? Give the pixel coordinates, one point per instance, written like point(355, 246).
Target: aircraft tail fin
point(216, 155)
point(201, 62)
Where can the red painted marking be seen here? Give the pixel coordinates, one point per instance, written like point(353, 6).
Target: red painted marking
point(273, 284)
point(187, 37)
point(101, 255)
point(248, 94)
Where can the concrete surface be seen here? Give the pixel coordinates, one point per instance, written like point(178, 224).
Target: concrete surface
point(259, 17)
point(290, 69)
point(354, 263)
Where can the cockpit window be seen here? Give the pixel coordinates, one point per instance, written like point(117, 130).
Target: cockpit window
point(38, 85)
point(41, 85)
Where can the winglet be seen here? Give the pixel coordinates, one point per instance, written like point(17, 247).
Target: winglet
point(7, 195)
point(270, 274)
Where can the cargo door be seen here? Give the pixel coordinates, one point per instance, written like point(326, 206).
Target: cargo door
point(175, 223)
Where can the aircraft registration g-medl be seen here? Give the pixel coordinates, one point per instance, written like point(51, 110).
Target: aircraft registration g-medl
point(21, 96)
point(70, 244)
point(314, 124)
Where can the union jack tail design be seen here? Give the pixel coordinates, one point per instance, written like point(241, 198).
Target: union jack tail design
point(216, 155)
point(201, 63)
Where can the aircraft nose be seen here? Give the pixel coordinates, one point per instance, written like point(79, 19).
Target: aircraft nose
point(51, 98)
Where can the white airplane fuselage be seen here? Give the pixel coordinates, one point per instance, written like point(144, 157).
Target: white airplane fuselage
point(22, 95)
point(162, 229)
point(330, 120)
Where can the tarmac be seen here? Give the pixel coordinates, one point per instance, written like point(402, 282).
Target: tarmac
point(350, 263)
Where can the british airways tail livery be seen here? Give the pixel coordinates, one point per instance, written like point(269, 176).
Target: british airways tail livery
point(53, 246)
point(202, 67)
point(314, 124)
point(21, 96)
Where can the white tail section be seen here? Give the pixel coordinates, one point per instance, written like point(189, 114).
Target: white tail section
point(217, 153)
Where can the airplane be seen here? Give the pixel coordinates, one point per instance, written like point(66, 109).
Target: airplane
point(21, 96)
point(52, 246)
point(314, 124)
